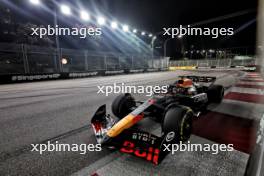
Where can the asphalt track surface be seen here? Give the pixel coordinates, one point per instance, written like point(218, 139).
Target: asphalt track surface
point(38, 112)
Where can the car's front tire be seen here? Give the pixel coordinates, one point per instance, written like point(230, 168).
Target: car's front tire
point(177, 124)
point(122, 105)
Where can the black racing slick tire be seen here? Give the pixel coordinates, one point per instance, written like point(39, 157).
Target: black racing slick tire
point(122, 105)
point(177, 124)
point(216, 93)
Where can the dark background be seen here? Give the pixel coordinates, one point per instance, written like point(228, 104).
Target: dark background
point(147, 15)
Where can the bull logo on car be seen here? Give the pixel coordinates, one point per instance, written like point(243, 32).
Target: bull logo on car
point(150, 154)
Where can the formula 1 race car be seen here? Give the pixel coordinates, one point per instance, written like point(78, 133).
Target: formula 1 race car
point(174, 110)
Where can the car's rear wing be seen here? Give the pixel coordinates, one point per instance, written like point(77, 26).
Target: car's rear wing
point(204, 79)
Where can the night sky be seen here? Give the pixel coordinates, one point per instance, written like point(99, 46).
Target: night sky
point(153, 15)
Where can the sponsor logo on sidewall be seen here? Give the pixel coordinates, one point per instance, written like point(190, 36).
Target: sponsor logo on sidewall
point(170, 136)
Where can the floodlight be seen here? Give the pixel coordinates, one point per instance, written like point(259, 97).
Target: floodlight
point(64, 61)
point(84, 15)
point(66, 10)
point(125, 28)
point(114, 25)
point(101, 21)
point(34, 2)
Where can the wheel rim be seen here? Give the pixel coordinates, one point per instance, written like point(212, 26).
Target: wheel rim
point(186, 127)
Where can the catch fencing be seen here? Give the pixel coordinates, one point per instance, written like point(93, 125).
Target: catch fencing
point(25, 59)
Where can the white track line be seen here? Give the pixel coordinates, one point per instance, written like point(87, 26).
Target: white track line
point(247, 90)
point(251, 83)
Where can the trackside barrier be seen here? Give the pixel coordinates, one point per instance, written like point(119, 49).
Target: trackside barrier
point(195, 67)
point(20, 62)
point(13, 78)
point(212, 63)
point(182, 68)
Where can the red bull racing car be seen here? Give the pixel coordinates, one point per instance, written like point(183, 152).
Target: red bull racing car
point(174, 110)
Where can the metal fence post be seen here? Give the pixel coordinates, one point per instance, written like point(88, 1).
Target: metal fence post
point(119, 64)
point(230, 62)
point(105, 63)
point(25, 59)
point(132, 62)
point(152, 62)
point(56, 65)
point(59, 54)
point(86, 61)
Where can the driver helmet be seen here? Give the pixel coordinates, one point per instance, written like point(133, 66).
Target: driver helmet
point(185, 83)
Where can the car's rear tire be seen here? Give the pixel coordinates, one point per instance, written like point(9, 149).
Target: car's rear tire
point(177, 124)
point(122, 105)
point(216, 93)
